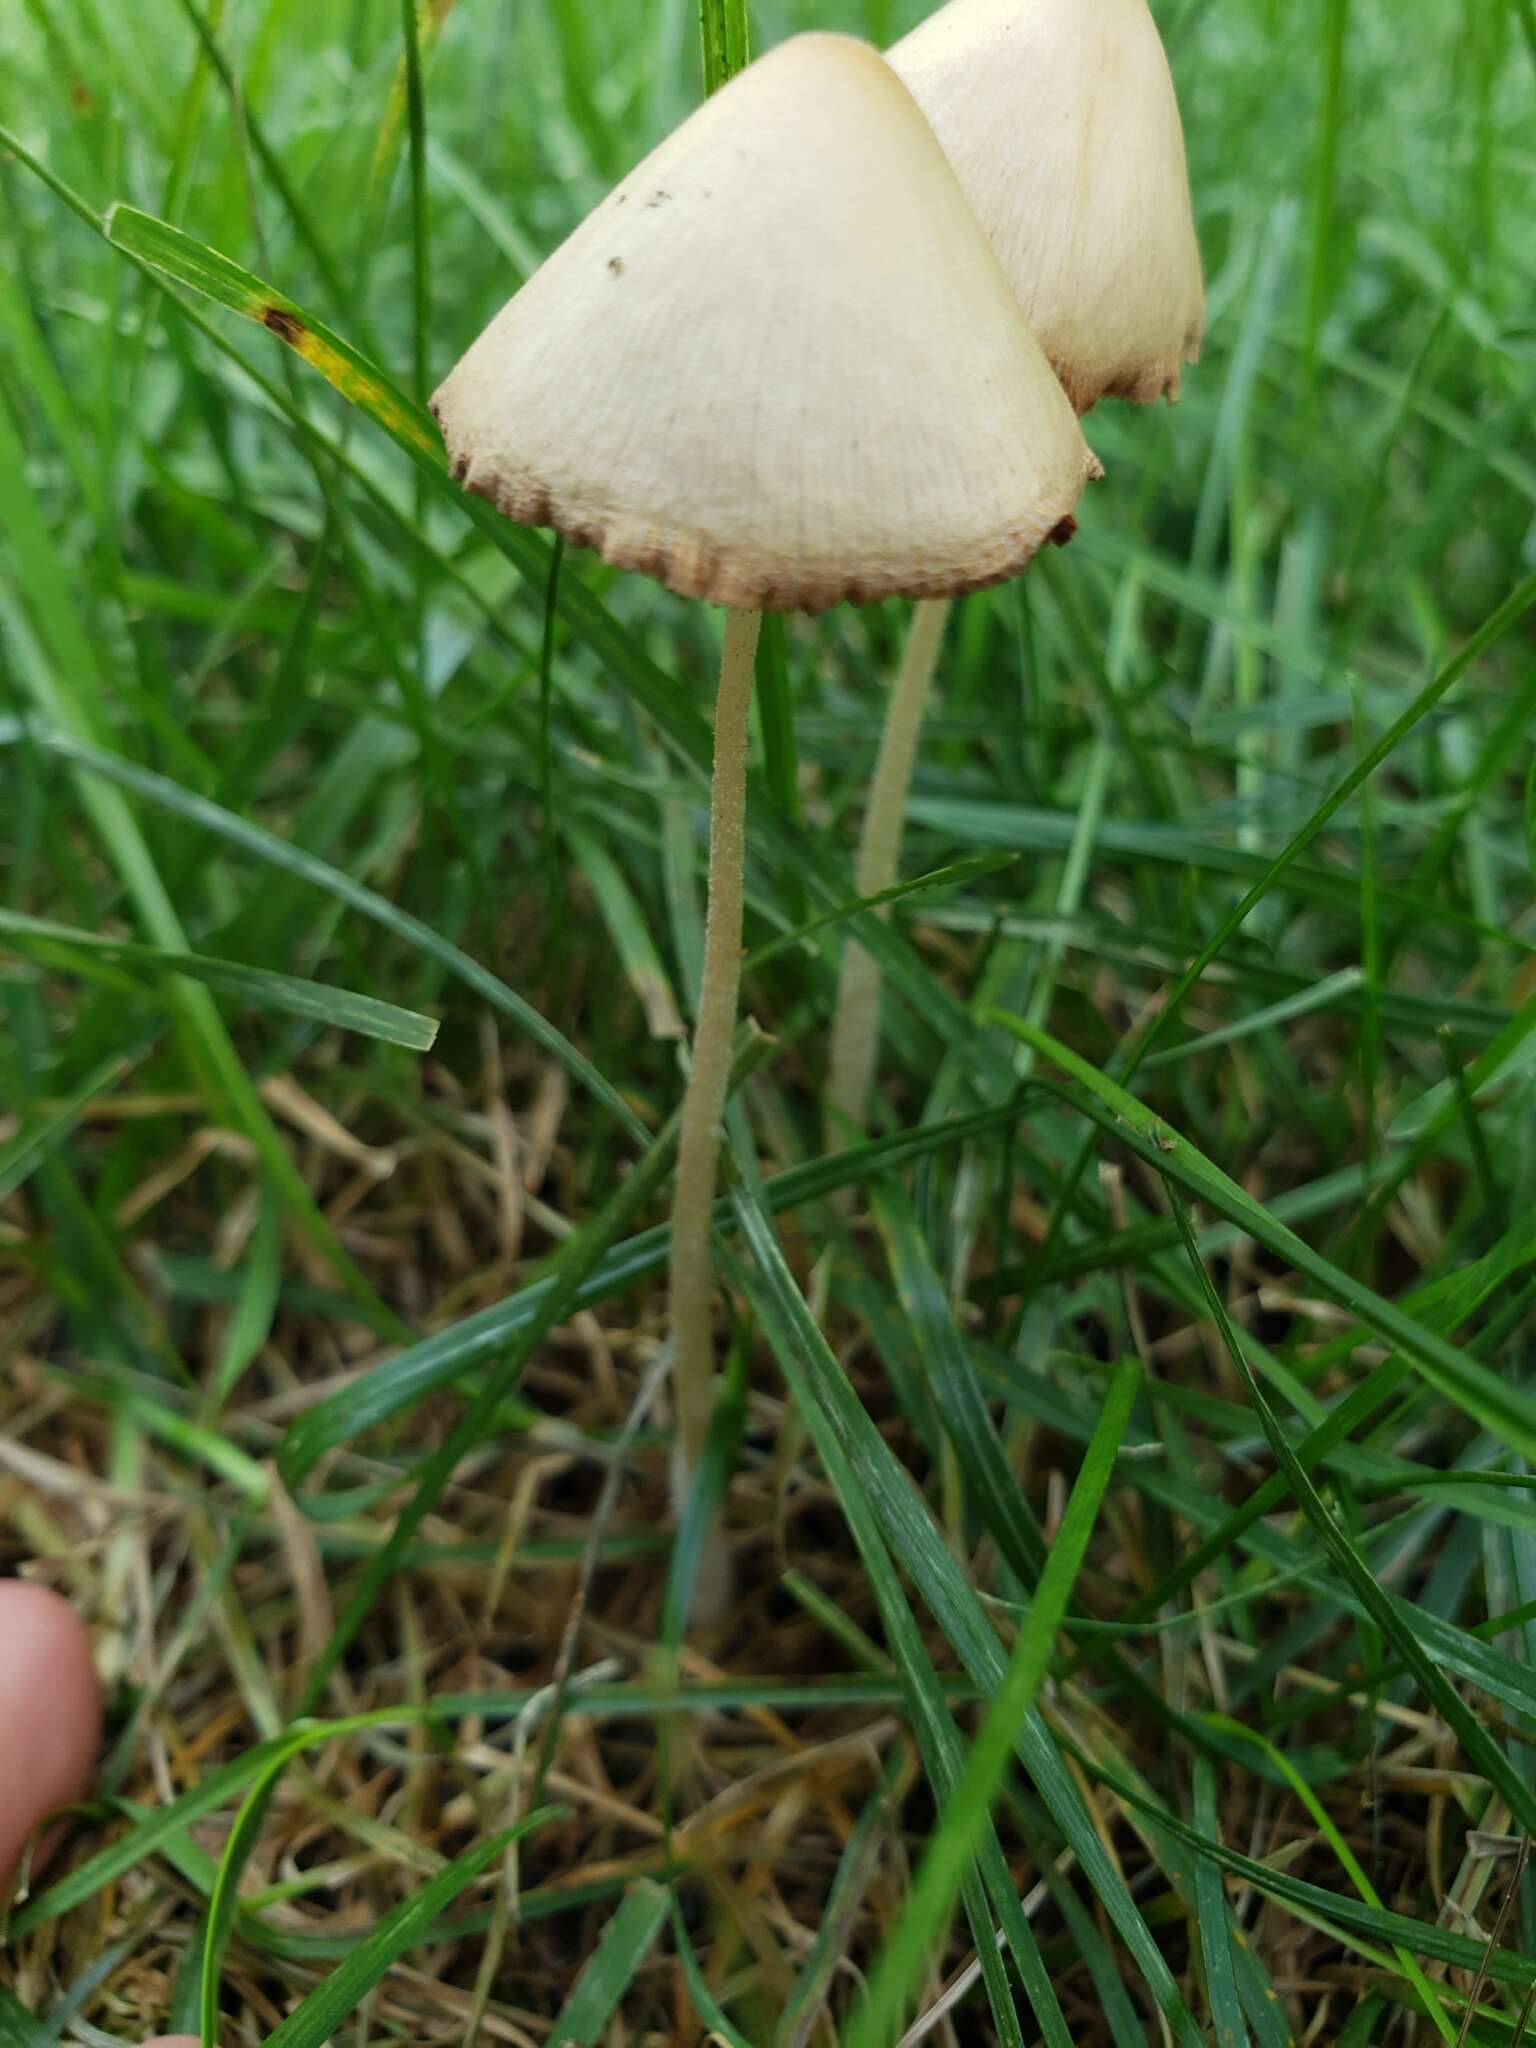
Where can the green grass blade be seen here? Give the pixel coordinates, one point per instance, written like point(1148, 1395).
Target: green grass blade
point(856, 1866)
point(723, 35)
point(223, 1901)
point(394, 1387)
point(1501, 621)
point(421, 274)
point(627, 1940)
point(1471, 1386)
point(320, 2016)
point(69, 691)
point(1328, 1829)
point(1392, 1618)
point(260, 987)
point(553, 884)
point(42, 1132)
point(776, 711)
point(995, 1494)
point(1216, 1929)
point(906, 1527)
point(269, 159)
point(1325, 260)
point(1424, 1938)
point(294, 860)
point(187, 261)
point(938, 1878)
point(630, 930)
point(987, 1886)
point(974, 868)
point(705, 2003)
point(20, 2028)
point(568, 1270)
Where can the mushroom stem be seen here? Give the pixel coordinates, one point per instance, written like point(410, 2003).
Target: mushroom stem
point(856, 1026)
point(689, 1282)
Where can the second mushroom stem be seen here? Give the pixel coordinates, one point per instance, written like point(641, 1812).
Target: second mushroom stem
point(690, 1288)
point(856, 1026)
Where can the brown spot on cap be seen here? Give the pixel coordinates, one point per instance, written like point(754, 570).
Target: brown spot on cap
point(285, 325)
point(1062, 531)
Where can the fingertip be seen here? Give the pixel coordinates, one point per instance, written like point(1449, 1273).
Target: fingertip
point(50, 1711)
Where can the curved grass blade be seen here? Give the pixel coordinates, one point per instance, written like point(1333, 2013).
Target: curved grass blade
point(294, 860)
point(987, 1877)
point(154, 1831)
point(224, 1897)
point(966, 1812)
point(26, 1149)
point(261, 987)
point(906, 1526)
point(1324, 1822)
point(1334, 1909)
point(1388, 1615)
point(569, 1268)
point(952, 876)
point(1498, 1406)
point(627, 1940)
point(67, 686)
point(319, 2018)
point(1215, 1920)
point(412, 1375)
point(190, 262)
point(705, 2003)
point(997, 1497)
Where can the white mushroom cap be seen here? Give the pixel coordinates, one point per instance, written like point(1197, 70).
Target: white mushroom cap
point(780, 366)
point(1060, 119)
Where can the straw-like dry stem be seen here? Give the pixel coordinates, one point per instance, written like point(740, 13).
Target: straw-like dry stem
point(691, 1290)
point(856, 1025)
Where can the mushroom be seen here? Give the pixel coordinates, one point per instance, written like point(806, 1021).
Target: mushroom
point(1060, 121)
point(778, 368)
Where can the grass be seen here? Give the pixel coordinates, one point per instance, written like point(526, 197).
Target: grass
point(1165, 1371)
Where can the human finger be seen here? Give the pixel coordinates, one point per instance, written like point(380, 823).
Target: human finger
point(50, 1711)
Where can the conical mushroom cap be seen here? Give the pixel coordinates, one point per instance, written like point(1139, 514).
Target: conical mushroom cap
point(1060, 119)
point(779, 366)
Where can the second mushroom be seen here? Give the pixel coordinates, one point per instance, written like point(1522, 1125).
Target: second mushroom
point(1061, 123)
